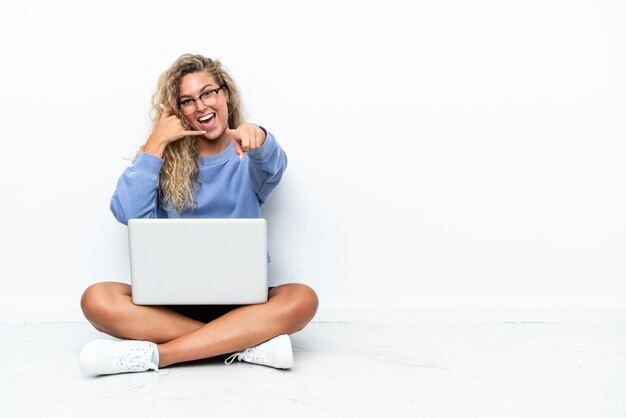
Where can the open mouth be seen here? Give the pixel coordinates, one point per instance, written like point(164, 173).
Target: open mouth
point(207, 121)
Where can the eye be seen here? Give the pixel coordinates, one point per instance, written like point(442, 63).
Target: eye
point(207, 94)
point(185, 102)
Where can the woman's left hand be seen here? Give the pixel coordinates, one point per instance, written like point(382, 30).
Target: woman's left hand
point(247, 137)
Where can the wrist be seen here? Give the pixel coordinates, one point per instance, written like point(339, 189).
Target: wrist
point(157, 140)
point(155, 146)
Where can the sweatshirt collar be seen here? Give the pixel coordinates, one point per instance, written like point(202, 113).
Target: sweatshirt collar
point(218, 158)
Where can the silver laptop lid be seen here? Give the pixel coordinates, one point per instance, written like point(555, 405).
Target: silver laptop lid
point(198, 261)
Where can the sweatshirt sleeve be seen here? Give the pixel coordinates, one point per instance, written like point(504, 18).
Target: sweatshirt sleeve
point(136, 192)
point(267, 164)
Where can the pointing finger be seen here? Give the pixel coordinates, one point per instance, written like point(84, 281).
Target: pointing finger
point(238, 149)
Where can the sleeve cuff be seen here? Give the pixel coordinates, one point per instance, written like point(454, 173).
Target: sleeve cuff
point(148, 163)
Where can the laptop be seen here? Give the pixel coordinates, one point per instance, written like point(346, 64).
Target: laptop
point(198, 261)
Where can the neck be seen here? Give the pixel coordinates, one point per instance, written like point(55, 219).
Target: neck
point(208, 147)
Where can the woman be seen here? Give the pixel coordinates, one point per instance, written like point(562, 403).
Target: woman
point(201, 160)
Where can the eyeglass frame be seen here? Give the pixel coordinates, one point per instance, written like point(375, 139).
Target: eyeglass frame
point(196, 98)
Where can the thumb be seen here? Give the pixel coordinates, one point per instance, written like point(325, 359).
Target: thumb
point(232, 133)
point(165, 112)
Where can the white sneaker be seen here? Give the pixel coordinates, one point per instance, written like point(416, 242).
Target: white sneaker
point(111, 356)
point(274, 353)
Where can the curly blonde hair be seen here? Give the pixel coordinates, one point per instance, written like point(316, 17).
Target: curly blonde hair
point(178, 179)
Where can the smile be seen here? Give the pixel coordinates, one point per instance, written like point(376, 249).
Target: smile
point(208, 121)
point(206, 118)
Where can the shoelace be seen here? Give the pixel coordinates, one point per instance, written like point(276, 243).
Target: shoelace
point(252, 353)
point(134, 359)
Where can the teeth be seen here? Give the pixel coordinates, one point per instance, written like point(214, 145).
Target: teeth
point(207, 117)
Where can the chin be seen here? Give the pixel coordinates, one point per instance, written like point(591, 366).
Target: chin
point(213, 135)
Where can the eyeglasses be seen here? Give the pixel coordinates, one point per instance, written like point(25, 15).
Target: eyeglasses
point(209, 98)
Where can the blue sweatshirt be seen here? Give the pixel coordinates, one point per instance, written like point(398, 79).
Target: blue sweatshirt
point(230, 188)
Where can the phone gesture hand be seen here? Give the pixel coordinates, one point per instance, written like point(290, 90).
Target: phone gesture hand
point(170, 128)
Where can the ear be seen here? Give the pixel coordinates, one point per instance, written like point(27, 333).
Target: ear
point(227, 94)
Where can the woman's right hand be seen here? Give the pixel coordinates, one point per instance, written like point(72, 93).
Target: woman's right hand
point(168, 130)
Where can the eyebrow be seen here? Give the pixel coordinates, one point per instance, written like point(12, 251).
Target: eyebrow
point(202, 90)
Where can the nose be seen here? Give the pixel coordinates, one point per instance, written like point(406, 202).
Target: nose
point(200, 106)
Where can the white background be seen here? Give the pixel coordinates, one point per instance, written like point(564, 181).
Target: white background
point(444, 155)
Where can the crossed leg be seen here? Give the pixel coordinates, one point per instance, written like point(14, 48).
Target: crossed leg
point(109, 308)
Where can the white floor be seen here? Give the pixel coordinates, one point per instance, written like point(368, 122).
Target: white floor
point(346, 369)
